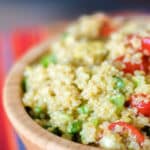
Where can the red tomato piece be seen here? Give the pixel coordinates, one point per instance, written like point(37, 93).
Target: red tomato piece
point(142, 103)
point(146, 45)
point(130, 67)
point(128, 127)
point(106, 29)
point(146, 63)
point(130, 38)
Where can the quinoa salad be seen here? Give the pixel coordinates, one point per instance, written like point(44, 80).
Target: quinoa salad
point(93, 84)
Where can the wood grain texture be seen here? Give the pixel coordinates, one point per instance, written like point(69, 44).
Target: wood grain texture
point(33, 136)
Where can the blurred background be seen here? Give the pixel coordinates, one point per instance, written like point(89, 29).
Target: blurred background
point(27, 23)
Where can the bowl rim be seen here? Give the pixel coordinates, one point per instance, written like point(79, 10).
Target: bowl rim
point(17, 115)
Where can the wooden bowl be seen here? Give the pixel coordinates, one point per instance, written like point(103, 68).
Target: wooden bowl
point(33, 136)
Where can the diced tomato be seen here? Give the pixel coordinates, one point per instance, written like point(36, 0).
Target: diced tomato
point(106, 29)
point(128, 127)
point(146, 45)
point(131, 67)
point(146, 63)
point(142, 103)
point(131, 36)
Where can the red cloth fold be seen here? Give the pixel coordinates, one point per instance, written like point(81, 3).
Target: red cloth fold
point(7, 140)
point(23, 39)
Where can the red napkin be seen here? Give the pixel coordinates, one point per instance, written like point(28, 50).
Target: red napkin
point(7, 136)
point(23, 39)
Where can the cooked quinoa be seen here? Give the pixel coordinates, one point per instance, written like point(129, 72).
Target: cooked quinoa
point(93, 86)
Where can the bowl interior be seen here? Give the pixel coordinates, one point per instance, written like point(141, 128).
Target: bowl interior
point(19, 118)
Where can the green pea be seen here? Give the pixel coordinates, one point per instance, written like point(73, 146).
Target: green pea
point(50, 59)
point(37, 110)
point(118, 100)
point(83, 109)
point(119, 83)
point(38, 113)
point(74, 127)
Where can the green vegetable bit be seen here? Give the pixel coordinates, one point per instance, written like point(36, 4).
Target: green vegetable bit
point(40, 113)
point(50, 59)
point(119, 83)
point(83, 109)
point(37, 110)
point(118, 100)
point(95, 122)
point(74, 127)
point(24, 84)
